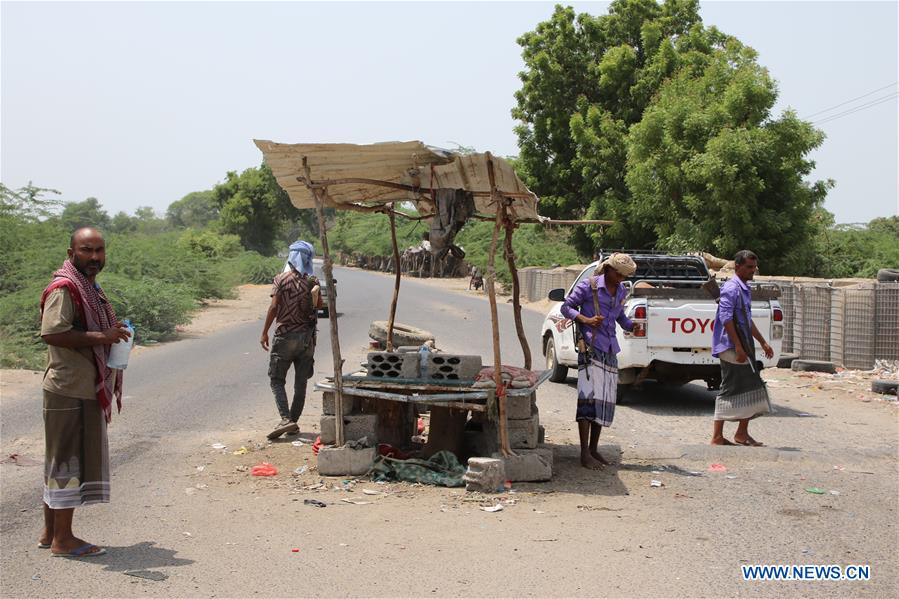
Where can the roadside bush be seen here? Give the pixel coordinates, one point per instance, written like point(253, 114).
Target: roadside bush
point(252, 267)
point(154, 307)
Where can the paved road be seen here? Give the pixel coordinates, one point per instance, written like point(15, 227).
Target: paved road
point(219, 533)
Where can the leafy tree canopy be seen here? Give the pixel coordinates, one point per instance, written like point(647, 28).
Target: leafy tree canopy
point(254, 207)
point(647, 117)
point(196, 210)
point(89, 213)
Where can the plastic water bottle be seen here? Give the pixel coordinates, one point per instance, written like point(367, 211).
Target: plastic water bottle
point(423, 353)
point(118, 355)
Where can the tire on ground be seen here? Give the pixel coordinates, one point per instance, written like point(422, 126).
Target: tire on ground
point(888, 274)
point(813, 366)
point(403, 334)
point(786, 360)
point(885, 387)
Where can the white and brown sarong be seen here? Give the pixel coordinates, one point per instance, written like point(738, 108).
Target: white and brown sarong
point(76, 466)
point(597, 387)
point(743, 392)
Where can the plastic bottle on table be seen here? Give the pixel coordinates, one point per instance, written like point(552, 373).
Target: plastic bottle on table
point(118, 355)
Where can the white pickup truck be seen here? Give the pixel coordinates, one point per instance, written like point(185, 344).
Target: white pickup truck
point(674, 344)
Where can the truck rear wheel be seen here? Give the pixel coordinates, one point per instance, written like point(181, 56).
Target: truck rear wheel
point(559, 372)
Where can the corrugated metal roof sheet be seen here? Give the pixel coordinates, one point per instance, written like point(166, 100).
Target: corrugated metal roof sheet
point(407, 163)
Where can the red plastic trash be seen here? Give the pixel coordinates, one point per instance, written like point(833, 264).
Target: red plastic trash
point(317, 445)
point(264, 469)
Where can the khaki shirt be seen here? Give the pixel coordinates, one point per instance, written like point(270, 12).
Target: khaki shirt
point(70, 372)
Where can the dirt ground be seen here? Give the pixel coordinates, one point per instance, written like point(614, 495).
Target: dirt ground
point(824, 491)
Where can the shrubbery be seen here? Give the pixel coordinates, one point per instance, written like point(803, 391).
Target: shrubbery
point(156, 280)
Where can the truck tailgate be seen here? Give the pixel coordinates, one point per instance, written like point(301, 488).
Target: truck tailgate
point(680, 323)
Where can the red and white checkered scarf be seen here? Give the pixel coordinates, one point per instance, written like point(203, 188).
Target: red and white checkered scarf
point(96, 315)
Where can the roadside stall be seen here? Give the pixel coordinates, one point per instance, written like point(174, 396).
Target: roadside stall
point(447, 189)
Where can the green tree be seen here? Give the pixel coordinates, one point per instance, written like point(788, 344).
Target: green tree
point(599, 111)
point(254, 207)
point(122, 222)
point(708, 169)
point(197, 209)
point(89, 213)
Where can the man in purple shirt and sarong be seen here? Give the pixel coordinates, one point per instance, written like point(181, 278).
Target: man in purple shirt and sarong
point(597, 371)
point(743, 393)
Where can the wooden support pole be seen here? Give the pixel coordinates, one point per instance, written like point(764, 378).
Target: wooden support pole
point(332, 309)
point(494, 317)
point(396, 284)
point(516, 293)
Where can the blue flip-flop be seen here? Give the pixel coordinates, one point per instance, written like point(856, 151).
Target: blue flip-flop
point(83, 551)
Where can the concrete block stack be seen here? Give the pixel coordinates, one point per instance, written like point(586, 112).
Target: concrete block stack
point(430, 365)
point(358, 427)
point(486, 475)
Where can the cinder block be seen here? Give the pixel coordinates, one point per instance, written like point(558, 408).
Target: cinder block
point(342, 461)
point(355, 427)
point(520, 408)
point(329, 404)
point(452, 367)
point(523, 434)
point(486, 475)
point(388, 365)
point(529, 465)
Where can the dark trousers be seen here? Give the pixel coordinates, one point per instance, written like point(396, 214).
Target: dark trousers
point(297, 349)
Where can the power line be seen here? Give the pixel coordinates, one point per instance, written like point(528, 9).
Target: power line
point(865, 106)
point(805, 118)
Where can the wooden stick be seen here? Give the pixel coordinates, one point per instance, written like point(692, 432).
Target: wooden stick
point(494, 317)
point(332, 309)
point(550, 221)
point(396, 284)
point(402, 186)
point(516, 295)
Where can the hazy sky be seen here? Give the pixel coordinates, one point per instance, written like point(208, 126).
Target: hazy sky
point(140, 103)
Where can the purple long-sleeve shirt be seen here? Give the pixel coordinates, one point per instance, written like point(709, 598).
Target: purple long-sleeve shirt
point(728, 307)
point(580, 301)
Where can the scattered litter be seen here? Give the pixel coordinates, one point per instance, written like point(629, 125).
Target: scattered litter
point(297, 443)
point(315, 502)
point(815, 491)
point(840, 468)
point(20, 460)
point(496, 508)
point(834, 492)
point(294, 550)
point(656, 483)
point(201, 468)
point(344, 545)
point(186, 534)
point(694, 473)
point(544, 540)
point(200, 486)
point(717, 468)
point(36, 577)
point(264, 469)
point(242, 468)
point(539, 512)
point(731, 476)
point(146, 574)
point(242, 451)
point(803, 415)
point(507, 485)
point(371, 492)
point(219, 446)
point(355, 502)
point(301, 470)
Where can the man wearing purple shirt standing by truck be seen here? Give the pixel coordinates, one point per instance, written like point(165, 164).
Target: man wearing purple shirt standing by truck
point(743, 393)
point(595, 305)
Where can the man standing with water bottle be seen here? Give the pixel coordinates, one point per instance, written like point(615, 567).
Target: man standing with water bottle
point(79, 326)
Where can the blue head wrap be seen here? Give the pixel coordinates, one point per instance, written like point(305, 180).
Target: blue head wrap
point(300, 256)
